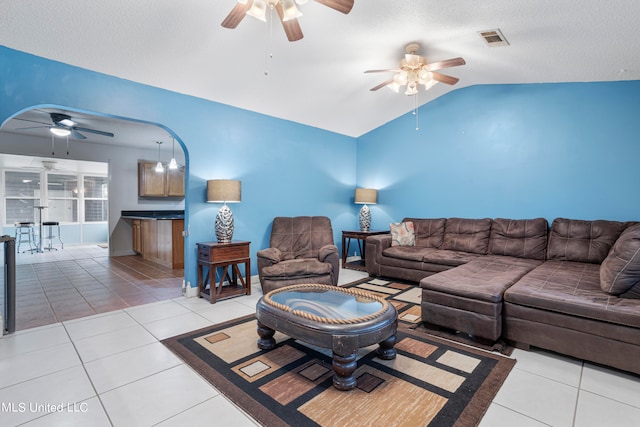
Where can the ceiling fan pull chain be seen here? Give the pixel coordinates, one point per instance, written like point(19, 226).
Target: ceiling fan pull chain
point(67, 145)
point(268, 55)
point(415, 110)
point(52, 150)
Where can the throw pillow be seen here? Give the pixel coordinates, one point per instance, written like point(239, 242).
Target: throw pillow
point(620, 271)
point(402, 234)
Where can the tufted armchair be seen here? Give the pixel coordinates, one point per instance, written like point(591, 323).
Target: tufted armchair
point(301, 251)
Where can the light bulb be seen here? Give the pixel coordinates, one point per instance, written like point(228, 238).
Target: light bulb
point(258, 10)
point(290, 11)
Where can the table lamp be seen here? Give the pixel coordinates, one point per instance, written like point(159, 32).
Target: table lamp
point(224, 191)
point(363, 197)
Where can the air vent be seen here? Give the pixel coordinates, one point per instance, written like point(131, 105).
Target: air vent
point(493, 38)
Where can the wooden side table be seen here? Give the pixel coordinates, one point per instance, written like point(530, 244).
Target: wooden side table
point(360, 236)
point(212, 255)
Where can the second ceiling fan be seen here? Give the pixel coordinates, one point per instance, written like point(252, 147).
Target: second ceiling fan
point(415, 71)
point(287, 12)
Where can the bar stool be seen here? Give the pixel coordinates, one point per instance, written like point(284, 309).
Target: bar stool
point(25, 234)
point(50, 235)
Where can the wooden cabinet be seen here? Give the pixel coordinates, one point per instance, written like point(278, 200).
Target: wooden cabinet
point(160, 241)
point(175, 182)
point(169, 183)
point(137, 236)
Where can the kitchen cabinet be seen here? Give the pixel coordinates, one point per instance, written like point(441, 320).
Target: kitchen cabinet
point(169, 183)
point(160, 241)
point(137, 236)
point(175, 182)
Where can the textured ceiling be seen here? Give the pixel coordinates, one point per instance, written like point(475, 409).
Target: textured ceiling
point(320, 80)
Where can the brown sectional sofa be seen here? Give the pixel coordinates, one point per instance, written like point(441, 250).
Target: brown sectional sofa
point(573, 288)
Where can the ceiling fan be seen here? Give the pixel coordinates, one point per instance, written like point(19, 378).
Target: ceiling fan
point(414, 71)
point(287, 11)
point(63, 125)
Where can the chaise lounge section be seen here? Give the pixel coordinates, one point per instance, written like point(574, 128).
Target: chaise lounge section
point(573, 288)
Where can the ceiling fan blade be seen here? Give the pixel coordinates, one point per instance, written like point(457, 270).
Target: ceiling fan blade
point(383, 84)
point(291, 27)
point(77, 135)
point(236, 15)
point(454, 62)
point(381, 71)
point(343, 6)
point(33, 127)
point(443, 78)
point(97, 132)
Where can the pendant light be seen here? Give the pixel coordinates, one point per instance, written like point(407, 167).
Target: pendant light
point(173, 164)
point(159, 167)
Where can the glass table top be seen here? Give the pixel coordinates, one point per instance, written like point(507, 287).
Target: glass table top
point(329, 303)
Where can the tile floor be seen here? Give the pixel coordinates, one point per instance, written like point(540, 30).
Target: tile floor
point(79, 281)
point(110, 370)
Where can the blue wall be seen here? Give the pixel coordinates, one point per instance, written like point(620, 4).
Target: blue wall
point(515, 151)
point(286, 168)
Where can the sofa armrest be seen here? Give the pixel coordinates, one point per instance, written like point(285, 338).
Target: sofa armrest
point(329, 254)
point(326, 251)
point(270, 255)
point(374, 246)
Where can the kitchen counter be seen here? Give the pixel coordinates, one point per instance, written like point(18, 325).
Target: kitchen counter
point(158, 235)
point(157, 215)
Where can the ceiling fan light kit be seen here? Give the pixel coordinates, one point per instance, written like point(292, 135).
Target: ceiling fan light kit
point(60, 131)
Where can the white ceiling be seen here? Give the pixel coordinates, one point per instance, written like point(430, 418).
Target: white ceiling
point(319, 80)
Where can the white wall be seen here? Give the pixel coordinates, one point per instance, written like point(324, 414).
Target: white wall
point(123, 177)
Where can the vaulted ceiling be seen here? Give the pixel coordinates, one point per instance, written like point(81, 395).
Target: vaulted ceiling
point(320, 80)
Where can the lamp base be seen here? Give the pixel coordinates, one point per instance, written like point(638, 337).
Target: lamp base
point(365, 218)
point(224, 225)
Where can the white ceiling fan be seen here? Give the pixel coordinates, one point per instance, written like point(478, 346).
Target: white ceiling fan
point(415, 71)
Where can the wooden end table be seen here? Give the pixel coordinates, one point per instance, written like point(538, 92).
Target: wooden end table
point(212, 255)
point(360, 236)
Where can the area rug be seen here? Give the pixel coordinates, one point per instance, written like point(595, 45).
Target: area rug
point(406, 297)
point(430, 382)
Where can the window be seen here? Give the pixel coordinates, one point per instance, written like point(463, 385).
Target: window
point(22, 194)
point(96, 200)
point(62, 199)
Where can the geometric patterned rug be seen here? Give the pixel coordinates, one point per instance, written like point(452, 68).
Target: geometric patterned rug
point(430, 382)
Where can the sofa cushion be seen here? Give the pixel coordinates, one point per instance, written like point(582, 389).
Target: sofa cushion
point(521, 238)
point(297, 267)
point(429, 232)
point(620, 271)
point(402, 234)
point(429, 255)
point(483, 279)
point(467, 235)
point(572, 288)
point(582, 241)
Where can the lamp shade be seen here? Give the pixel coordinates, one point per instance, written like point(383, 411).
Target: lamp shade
point(367, 196)
point(224, 191)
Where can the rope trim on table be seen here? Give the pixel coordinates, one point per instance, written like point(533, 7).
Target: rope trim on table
point(349, 291)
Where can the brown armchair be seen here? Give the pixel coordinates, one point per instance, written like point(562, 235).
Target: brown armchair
point(301, 251)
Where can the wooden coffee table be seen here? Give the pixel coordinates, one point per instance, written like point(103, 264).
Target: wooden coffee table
point(341, 319)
